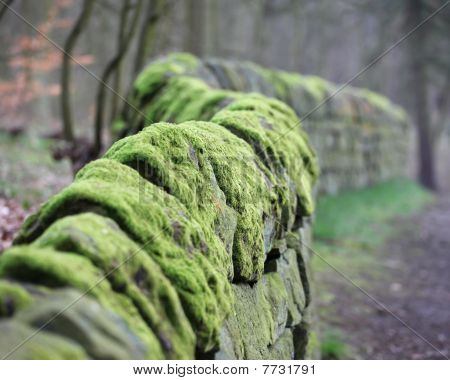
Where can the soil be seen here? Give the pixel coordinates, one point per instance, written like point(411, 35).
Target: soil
point(415, 287)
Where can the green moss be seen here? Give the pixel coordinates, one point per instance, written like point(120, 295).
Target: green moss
point(159, 222)
point(184, 98)
point(368, 208)
point(220, 181)
point(265, 123)
point(130, 271)
point(205, 104)
point(13, 297)
point(250, 331)
point(154, 73)
point(56, 269)
point(145, 89)
point(333, 346)
point(271, 77)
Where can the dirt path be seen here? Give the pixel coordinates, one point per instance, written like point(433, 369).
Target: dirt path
point(415, 287)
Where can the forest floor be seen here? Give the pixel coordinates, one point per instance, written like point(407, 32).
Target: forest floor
point(28, 176)
point(407, 272)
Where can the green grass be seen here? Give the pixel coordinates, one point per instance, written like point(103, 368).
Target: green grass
point(359, 214)
point(333, 346)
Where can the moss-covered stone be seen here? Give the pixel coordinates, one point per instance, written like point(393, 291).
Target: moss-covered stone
point(249, 332)
point(101, 333)
point(263, 123)
point(157, 221)
point(130, 271)
point(56, 269)
point(283, 348)
point(287, 266)
point(16, 344)
point(260, 121)
point(219, 179)
point(13, 297)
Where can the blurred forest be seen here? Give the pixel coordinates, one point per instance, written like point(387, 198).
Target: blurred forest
point(45, 92)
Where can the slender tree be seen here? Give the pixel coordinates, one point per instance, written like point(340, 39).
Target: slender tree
point(415, 13)
point(147, 34)
point(117, 79)
point(69, 45)
point(110, 68)
point(194, 33)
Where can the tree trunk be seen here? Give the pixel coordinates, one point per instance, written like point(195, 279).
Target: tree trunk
point(194, 32)
point(65, 70)
point(117, 80)
point(147, 33)
point(109, 70)
point(417, 43)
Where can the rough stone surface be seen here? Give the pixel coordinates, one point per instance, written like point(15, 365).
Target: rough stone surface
point(360, 137)
point(178, 242)
point(190, 240)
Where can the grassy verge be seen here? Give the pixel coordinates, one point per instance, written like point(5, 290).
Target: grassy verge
point(349, 232)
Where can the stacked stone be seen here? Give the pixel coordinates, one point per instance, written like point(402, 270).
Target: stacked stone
point(359, 136)
point(185, 240)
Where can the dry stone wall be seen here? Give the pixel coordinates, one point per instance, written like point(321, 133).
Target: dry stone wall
point(360, 137)
point(185, 240)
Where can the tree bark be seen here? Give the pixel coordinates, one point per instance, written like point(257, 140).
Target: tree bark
point(109, 70)
point(194, 32)
point(426, 169)
point(66, 110)
point(117, 81)
point(154, 11)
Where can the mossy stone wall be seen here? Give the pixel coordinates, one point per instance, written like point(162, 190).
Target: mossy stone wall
point(185, 240)
point(360, 137)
